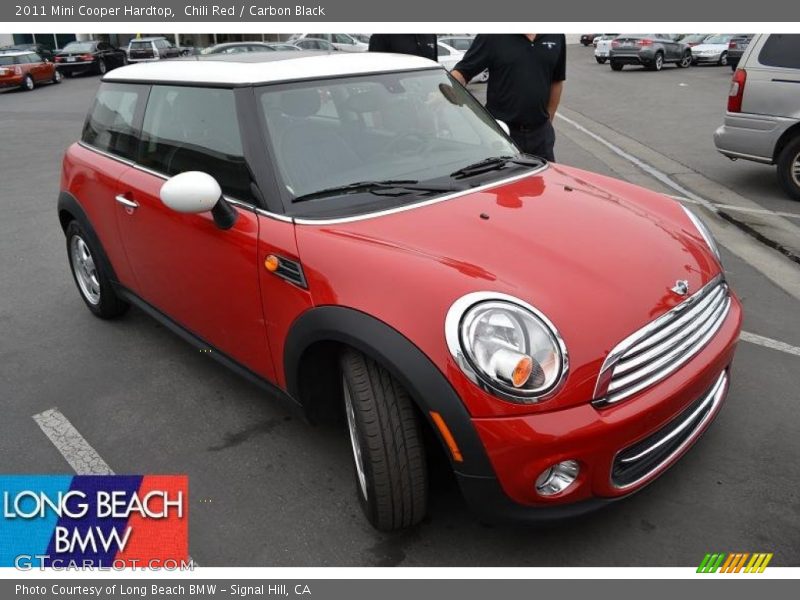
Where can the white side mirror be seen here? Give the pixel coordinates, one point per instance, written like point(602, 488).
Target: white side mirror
point(503, 126)
point(191, 192)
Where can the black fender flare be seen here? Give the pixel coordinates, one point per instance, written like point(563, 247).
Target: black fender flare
point(425, 383)
point(67, 203)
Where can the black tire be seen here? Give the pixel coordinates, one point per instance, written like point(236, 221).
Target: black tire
point(388, 451)
point(69, 74)
point(685, 62)
point(57, 76)
point(789, 168)
point(600, 60)
point(658, 62)
point(723, 59)
point(102, 68)
point(107, 305)
point(27, 84)
point(616, 66)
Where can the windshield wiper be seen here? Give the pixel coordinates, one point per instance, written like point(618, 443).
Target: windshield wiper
point(380, 188)
point(494, 163)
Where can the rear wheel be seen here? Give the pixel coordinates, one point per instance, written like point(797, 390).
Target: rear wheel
point(27, 83)
point(789, 168)
point(387, 444)
point(101, 67)
point(600, 59)
point(616, 66)
point(658, 62)
point(93, 282)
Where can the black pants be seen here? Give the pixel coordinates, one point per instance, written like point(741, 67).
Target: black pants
point(538, 141)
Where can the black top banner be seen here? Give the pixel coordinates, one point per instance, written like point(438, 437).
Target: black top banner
point(444, 11)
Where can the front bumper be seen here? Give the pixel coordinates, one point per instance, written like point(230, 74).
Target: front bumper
point(706, 58)
point(751, 137)
point(520, 448)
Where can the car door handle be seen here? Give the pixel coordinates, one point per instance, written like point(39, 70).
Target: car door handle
point(127, 202)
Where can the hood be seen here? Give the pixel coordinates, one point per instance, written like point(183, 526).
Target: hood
point(596, 255)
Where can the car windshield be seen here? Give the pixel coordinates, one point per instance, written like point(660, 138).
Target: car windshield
point(694, 38)
point(79, 47)
point(718, 39)
point(412, 127)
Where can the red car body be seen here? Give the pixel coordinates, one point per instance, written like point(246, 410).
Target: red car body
point(598, 256)
point(17, 67)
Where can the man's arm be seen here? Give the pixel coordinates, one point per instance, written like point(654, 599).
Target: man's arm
point(555, 98)
point(475, 60)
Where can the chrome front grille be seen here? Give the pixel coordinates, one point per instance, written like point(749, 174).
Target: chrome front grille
point(636, 463)
point(663, 346)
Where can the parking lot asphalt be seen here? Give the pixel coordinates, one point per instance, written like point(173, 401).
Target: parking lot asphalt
point(267, 489)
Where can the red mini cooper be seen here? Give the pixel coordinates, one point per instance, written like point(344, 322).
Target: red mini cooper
point(356, 234)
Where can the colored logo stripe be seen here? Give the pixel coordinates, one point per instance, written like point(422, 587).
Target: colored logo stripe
point(734, 562)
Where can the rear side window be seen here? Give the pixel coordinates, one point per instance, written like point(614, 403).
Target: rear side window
point(781, 50)
point(195, 129)
point(110, 125)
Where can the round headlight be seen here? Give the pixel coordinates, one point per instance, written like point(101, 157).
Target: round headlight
point(703, 230)
point(506, 346)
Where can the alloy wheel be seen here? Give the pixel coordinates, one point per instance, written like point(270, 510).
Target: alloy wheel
point(796, 170)
point(85, 270)
point(351, 426)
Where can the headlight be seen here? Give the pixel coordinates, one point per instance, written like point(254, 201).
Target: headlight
point(702, 228)
point(506, 346)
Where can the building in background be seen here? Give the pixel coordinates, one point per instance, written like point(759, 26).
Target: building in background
point(198, 40)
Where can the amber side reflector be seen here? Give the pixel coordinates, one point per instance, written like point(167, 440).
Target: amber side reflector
point(271, 263)
point(447, 436)
point(522, 372)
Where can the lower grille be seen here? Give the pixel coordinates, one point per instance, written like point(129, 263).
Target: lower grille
point(637, 462)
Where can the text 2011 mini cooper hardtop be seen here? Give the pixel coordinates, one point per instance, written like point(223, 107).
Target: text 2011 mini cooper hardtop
point(358, 234)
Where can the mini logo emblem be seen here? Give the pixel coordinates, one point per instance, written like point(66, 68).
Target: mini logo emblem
point(681, 287)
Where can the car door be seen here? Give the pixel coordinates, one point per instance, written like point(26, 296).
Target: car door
point(40, 69)
point(201, 276)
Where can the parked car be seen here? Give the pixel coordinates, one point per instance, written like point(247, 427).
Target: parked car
point(603, 36)
point(341, 41)
point(89, 57)
point(238, 48)
point(152, 48)
point(736, 47)
point(361, 37)
point(588, 38)
point(461, 43)
point(44, 51)
point(242, 199)
point(602, 49)
point(693, 39)
point(24, 69)
point(315, 44)
point(714, 49)
point(448, 56)
point(651, 50)
point(284, 47)
point(762, 122)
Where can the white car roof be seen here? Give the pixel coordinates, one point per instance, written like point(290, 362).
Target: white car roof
point(15, 52)
point(261, 67)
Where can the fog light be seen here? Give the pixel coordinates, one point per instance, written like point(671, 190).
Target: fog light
point(557, 478)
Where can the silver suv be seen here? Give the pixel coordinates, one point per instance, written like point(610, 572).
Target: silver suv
point(763, 118)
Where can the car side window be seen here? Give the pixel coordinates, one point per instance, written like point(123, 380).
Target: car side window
point(443, 51)
point(35, 58)
point(110, 124)
point(102, 46)
point(781, 50)
point(195, 129)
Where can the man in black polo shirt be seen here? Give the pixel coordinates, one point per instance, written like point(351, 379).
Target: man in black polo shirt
point(526, 76)
point(418, 44)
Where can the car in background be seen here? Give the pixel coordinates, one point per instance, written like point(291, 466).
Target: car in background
point(315, 44)
point(588, 38)
point(238, 48)
point(284, 47)
point(762, 122)
point(44, 51)
point(341, 41)
point(459, 42)
point(89, 57)
point(362, 37)
point(602, 47)
point(152, 48)
point(692, 39)
point(650, 50)
point(448, 56)
point(713, 50)
point(24, 69)
point(736, 47)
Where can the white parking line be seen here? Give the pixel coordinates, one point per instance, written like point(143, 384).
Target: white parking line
point(760, 340)
point(71, 444)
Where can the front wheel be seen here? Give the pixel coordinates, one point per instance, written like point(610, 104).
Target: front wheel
point(685, 61)
point(57, 77)
point(386, 439)
point(723, 59)
point(600, 60)
point(789, 168)
point(27, 83)
point(93, 282)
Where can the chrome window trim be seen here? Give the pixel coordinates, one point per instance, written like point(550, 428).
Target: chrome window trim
point(452, 332)
point(715, 396)
point(618, 351)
